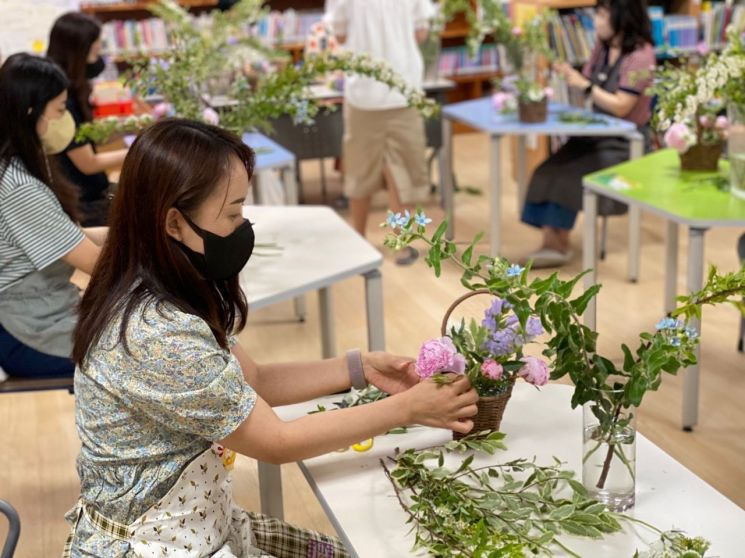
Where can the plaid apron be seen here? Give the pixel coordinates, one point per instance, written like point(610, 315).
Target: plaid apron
point(197, 518)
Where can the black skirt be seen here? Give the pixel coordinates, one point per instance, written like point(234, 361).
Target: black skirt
point(559, 178)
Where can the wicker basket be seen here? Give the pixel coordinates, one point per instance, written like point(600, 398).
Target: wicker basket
point(701, 158)
point(533, 112)
point(490, 409)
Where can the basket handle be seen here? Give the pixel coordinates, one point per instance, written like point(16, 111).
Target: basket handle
point(454, 305)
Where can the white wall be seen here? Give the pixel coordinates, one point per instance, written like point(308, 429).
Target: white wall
point(25, 24)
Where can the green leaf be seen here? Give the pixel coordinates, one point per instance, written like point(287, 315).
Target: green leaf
point(441, 230)
point(562, 513)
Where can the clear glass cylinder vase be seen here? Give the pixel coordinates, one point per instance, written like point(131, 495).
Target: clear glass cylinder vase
point(609, 453)
point(736, 149)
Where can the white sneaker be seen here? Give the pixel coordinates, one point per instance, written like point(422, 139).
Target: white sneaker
point(546, 257)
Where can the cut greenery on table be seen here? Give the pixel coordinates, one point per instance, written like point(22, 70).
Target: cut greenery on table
point(507, 510)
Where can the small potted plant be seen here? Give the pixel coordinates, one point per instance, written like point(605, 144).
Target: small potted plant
point(490, 353)
point(699, 143)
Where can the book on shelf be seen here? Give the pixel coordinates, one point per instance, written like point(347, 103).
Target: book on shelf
point(456, 61)
point(120, 37)
point(290, 26)
point(715, 20)
point(572, 35)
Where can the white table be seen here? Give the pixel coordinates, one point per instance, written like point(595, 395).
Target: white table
point(361, 505)
point(318, 249)
point(481, 115)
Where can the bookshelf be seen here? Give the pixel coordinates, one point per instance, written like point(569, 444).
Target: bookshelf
point(113, 10)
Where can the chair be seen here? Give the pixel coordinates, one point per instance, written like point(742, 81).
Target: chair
point(741, 255)
point(14, 529)
point(15, 384)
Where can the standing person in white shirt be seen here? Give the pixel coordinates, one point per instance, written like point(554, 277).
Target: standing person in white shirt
point(383, 138)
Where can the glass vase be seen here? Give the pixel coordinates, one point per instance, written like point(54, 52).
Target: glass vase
point(736, 149)
point(609, 453)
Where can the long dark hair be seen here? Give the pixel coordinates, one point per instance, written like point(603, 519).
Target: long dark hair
point(70, 42)
point(631, 19)
point(175, 163)
point(27, 84)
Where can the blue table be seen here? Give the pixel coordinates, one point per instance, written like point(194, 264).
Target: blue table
point(270, 155)
point(481, 115)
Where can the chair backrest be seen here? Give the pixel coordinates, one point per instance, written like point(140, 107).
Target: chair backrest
point(14, 529)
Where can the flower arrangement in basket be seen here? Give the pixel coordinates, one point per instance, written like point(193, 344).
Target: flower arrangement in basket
point(609, 390)
point(489, 353)
point(699, 140)
point(526, 47)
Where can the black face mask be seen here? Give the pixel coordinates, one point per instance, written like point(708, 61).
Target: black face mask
point(94, 70)
point(224, 256)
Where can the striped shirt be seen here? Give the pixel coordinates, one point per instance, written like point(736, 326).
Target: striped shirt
point(35, 231)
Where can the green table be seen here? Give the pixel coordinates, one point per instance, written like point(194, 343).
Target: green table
point(656, 184)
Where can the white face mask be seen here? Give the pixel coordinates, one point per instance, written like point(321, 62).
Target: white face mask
point(60, 132)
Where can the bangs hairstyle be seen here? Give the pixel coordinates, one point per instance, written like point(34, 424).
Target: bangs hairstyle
point(27, 84)
point(631, 19)
point(70, 41)
point(175, 163)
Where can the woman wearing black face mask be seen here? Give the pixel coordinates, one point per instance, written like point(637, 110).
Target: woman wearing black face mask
point(162, 390)
point(75, 44)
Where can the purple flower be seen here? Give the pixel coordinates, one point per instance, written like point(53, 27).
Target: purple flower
point(439, 355)
point(492, 369)
point(533, 327)
point(534, 371)
point(502, 342)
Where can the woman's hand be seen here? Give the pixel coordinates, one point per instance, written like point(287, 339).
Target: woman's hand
point(443, 406)
point(392, 374)
point(573, 77)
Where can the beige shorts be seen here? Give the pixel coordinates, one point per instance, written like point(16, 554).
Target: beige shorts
point(392, 137)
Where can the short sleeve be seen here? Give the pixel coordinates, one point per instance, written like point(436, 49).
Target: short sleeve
point(38, 225)
point(637, 70)
point(337, 16)
point(77, 116)
point(424, 11)
point(593, 60)
point(182, 378)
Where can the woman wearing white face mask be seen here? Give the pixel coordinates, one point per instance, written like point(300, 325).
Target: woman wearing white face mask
point(40, 242)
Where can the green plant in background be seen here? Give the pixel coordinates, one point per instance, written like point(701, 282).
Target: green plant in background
point(572, 346)
point(512, 509)
point(223, 74)
point(524, 44)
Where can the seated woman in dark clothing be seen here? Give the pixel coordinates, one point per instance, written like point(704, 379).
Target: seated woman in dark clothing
point(614, 80)
point(75, 44)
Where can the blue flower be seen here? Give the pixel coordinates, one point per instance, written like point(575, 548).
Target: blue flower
point(533, 327)
point(514, 270)
point(675, 341)
point(421, 219)
point(667, 323)
point(392, 220)
point(404, 219)
point(691, 332)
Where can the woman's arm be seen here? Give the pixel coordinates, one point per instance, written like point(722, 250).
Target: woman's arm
point(83, 256)
point(97, 234)
point(288, 383)
point(89, 162)
point(618, 104)
point(284, 384)
point(265, 437)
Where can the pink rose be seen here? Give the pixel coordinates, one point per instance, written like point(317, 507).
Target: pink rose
point(517, 31)
point(492, 369)
point(680, 137)
point(439, 355)
point(534, 371)
point(210, 116)
point(162, 109)
point(722, 123)
point(705, 121)
point(549, 92)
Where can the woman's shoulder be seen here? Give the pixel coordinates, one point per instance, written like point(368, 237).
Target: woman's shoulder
point(15, 177)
